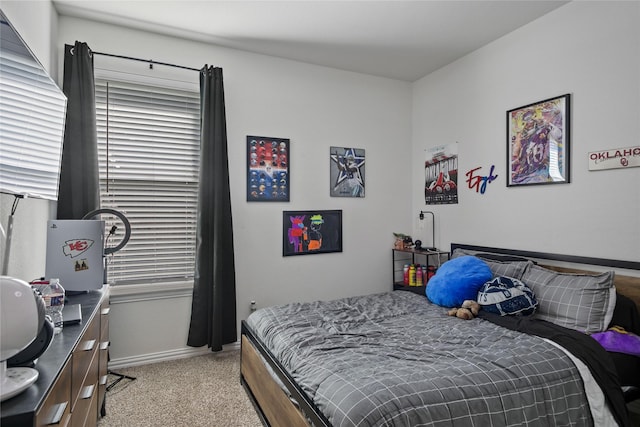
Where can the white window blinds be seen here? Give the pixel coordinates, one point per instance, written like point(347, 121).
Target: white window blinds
point(148, 146)
point(32, 112)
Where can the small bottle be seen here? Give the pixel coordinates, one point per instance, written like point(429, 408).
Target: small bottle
point(412, 275)
point(418, 275)
point(406, 275)
point(53, 295)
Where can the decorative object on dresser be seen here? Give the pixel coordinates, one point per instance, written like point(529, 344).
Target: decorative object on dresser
point(73, 376)
point(21, 319)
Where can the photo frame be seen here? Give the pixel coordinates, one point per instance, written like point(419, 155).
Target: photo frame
point(538, 142)
point(347, 167)
point(311, 232)
point(268, 173)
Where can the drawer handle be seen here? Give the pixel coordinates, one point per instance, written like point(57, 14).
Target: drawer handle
point(105, 311)
point(104, 345)
point(58, 412)
point(87, 391)
point(103, 379)
point(89, 345)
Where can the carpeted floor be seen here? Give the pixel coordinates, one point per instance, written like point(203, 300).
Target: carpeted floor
point(202, 391)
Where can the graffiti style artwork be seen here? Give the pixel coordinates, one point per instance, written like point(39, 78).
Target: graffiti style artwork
point(538, 143)
point(347, 172)
point(311, 232)
point(268, 175)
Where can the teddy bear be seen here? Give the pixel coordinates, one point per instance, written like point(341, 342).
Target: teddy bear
point(468, 310)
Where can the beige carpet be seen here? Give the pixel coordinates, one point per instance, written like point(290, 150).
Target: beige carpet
point(199, 391)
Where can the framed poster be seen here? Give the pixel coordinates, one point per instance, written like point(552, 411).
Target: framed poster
point(268, 176)
point(347, 172)
point(311, 232)
point(441, 175)
point(538, 142)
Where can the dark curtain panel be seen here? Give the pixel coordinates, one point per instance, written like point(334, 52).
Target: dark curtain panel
point(79, 187)
point(213, 310)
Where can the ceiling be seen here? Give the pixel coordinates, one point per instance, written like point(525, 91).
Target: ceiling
point(398, 39)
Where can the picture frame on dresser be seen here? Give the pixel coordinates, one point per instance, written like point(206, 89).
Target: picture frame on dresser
point(538, 142)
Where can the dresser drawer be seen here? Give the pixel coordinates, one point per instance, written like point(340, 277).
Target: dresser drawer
point(56, 409)
point(82, 357)
point(85, 411)
point(104, 319)
point(103, 355)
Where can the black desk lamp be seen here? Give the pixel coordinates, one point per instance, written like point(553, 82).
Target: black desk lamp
point(433, 229)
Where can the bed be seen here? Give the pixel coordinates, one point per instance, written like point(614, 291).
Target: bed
point(397, 359)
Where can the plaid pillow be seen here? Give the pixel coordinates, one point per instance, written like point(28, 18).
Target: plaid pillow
point(577, 301)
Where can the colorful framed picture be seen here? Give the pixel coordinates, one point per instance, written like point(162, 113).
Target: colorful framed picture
point(268, 176)
point(538, 142)
point(311, 232)
point(347, 172)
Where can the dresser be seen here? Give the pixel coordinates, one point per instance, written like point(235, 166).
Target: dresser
point(72, 381)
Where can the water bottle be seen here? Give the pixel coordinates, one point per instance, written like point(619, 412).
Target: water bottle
point(405, 279)
point(412, 275)
point(53, 296)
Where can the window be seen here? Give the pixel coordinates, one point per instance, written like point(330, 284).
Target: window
point(148, 148)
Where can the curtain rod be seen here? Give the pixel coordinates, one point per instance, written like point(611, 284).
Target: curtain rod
point(150, 61)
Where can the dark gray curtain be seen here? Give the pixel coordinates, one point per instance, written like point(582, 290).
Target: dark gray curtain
point(79, 187)
point(213, 310)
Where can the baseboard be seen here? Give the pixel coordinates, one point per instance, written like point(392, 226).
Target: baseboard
point(163, 356)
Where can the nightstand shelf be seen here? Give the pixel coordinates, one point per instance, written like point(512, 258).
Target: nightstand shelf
point(401, 257)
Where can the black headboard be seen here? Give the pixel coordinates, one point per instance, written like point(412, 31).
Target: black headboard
point(630, 265)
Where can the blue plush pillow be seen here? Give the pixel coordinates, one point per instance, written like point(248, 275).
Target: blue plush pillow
point(507, 295)
point(458, 280)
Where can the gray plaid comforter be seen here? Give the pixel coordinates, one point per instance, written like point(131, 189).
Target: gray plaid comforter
point(395, 359)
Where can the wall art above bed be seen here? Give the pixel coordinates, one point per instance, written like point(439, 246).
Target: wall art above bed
point(267, 169)
point(538, 142)
point(311, 232)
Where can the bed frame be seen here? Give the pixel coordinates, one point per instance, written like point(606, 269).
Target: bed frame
point(276, 408)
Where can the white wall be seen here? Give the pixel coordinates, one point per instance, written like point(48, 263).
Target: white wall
point(588, 49)
point(316, 108)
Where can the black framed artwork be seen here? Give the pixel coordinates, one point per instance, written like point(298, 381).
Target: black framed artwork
point(311, 232)
point(268, 176)
point(538, 142)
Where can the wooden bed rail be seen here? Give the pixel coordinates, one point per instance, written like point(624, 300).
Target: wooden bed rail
point(274, 406)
